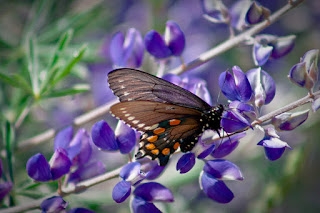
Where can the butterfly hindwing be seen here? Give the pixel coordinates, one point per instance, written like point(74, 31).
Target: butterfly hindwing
point(130, 85)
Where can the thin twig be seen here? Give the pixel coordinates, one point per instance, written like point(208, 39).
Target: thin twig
point(203, 58)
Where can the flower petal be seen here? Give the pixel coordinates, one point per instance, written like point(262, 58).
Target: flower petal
point(298, 74)
point(116, 49)
point(5, 188)
point(174, 38)
point(133, 48)
point(103, 136)
point(153, 191)
point(155, 45)
point(186, 163)
point(125, 137)
point(53, 204)
point(228, 86)
point(273, 147)
point(80, 210)
point(232, 122)
point(74, 147)
point(38, 168)
point(130, 171)
point(63, 138)
point(87, 171)
point(141, 206)
point(283, 46)
point(255, 14)
point(85, 150)
point(261, 53)
point(121, 191)
point(60, 164)
point(225, 148)
point(223, 170)
point(215, 189)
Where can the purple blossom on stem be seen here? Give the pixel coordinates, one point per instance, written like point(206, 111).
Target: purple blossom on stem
point(215, 12)
point(127, 52)
point(256, 13)
point(171, 44)
point(273, 146)
point(289, 121)
point(53, 204)
point(211, 179)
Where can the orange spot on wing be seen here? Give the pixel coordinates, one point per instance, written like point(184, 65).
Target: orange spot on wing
point(155, 151)
point(159, 130)
point(176, 145)
point(152, 138)
point(166, 151)
point(174, 122)
point(150, 146)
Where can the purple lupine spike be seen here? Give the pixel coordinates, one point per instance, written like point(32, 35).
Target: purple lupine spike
point(152, 192)
point(263, 86)
point(215, 189)
point(103, 136)
point(186, 163)
point(38, 168)
point(289, 121)
point(121, 191)
point(236, 87)
point(125, 138)
point(53, 204)
point(60, 163)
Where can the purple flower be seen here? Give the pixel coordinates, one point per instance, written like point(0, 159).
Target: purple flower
point(305, 74)
point(172, 44)
point(288, 121)
point(237, 13)
point(5, 188)
point(80, 210)
point(38, 168)
point(104, 137)
point(238, 117)
point(59, 163)
point(236, 87)
point(211, 178)
point(132, 174)
point(215, 12)
point(193, 84)
point(256, 13)
point(147, 193)
point(263, 86)
point(53, 204)
point(127, 52)
point(269, 46)
point(273, 146)
point(186, 163)
point(227, 146)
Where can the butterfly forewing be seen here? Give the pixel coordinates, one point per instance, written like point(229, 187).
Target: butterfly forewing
point(131, 85)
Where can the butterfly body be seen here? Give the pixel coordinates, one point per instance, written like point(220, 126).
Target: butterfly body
point(168, 116)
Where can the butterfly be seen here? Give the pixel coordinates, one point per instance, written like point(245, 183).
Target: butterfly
point(168, 116)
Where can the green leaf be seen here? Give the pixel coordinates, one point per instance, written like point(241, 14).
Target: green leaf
point(32, 194)
point(8, 138)
point(76, 58)
point(32, 60)
point(7, 79)
point(23, 84)
point(80, 88)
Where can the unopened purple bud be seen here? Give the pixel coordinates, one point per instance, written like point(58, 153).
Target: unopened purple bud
point(282, 46)
point(38, 168)
point(174, 38)
point(289, 121)
point(5, 188)
point(53, 204)
point(216, 12)
point(263, 86)
point(256, 13)
point(103, 136)
point(298, 74)
point(155, 45)
point(186, 163)
point(60, 164)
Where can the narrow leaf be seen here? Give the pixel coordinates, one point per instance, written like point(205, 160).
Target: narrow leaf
point(8, 79)
point(72, 91)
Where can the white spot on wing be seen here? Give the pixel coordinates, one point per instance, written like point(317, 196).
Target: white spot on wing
point(135, 121)
point(131, 118)
point(141, 125)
